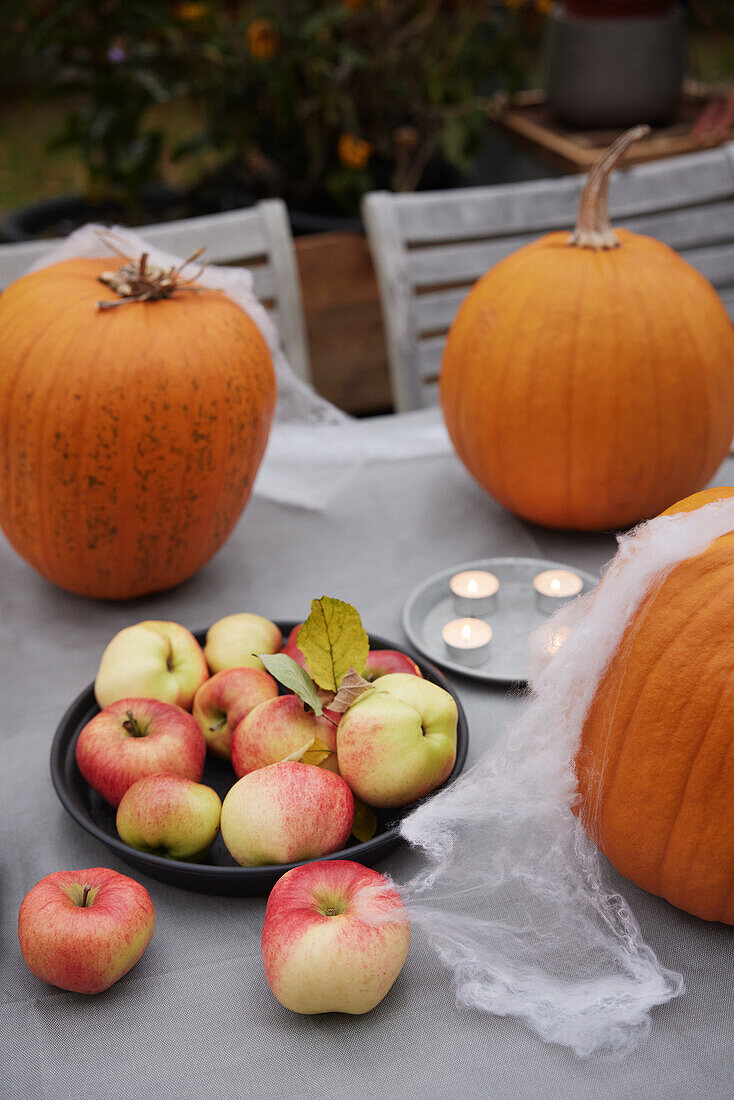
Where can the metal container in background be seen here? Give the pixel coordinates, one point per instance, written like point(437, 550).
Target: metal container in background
point(614, 72)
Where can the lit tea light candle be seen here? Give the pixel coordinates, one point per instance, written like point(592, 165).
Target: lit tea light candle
point(474, 591)
point(555, 587)
point(467, 640)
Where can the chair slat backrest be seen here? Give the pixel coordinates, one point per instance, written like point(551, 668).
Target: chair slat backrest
point(259, 238)
point(429, 248)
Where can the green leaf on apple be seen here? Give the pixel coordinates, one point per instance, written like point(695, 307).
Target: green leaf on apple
point(290, 674)
point(364, 825)
point(333, 640)
point(351, 687)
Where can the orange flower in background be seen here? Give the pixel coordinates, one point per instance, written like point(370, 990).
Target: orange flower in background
point(262, 39)
point(353, 151)
point(353, 5)
point(191, 11)
point(544, 6)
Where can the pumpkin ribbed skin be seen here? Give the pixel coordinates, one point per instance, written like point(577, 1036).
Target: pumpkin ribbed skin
point(129, 438)
point(590, 389)
point(656, 763)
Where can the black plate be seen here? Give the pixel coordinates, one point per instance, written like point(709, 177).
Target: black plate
point(220, 874)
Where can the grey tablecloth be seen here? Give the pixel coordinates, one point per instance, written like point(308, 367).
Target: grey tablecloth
point(195, 1017)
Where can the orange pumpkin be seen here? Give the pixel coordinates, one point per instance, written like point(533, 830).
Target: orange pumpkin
point(129, 437)
point(589, 382)
point(655, 766)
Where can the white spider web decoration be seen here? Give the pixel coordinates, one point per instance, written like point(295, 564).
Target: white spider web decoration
point(513, 897)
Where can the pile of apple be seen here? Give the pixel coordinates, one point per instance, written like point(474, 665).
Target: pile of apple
point(358, 723)
point(358, 729)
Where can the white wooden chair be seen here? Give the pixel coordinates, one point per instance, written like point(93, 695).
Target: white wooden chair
point(429, 248)
point(259, 237)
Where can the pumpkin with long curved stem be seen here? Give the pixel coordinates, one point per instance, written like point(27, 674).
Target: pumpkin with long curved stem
point(655, 766)
point(588, 382)
point(129, 437)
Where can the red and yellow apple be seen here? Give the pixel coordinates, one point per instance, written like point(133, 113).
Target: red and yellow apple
point(224, 700)
point(170, 817)
point(235, 641)
point(397, 742)
point(286, 812)
point(133, 738)
point(82, 930)
point(151, 660)
point(276, 729)
point(291, 646)
point(380, 662)
point(335, 937)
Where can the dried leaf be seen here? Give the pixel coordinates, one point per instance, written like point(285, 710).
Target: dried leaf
point(326, 698)
point(332, 640)
point(351, 687)
point(313, 752)
point(315, 756)
point(364, 825)
point(290, 674)
point(297, 756)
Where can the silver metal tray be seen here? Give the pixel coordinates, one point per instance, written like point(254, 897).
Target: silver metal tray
point(431, 606)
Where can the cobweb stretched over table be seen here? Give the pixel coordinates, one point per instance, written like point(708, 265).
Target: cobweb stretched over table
point(513, 897)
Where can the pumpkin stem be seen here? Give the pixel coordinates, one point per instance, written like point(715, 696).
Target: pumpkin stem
point(140, 281)
point(593, 227)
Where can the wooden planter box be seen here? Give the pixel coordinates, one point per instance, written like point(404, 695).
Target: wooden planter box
point(344, 323)
point(526, 116)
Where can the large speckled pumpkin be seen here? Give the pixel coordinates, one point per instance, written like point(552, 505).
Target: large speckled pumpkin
point(129, 435)
point(588, 381)
point(656, 763)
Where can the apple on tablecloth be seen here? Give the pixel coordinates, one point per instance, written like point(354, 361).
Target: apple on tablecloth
point(397, 742)
point(286, 812)
point(277, 729)
point(335, 937)
point(235, 641)
point(170, 817)
point(82, 930)
point(151, 660)
point(224, 700)
point(133, 738)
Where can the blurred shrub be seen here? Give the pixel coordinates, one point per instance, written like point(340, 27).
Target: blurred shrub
point(314, 100)
point(322, 100)
point(110, 61)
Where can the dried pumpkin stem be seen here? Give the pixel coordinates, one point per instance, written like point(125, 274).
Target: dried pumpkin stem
point(593, 227)
point(140, 281)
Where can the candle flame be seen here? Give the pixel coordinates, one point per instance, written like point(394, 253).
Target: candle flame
point(555, 584)
point(466, 632)
point(472, 586)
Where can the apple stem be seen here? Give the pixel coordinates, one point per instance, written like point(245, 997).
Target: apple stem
point(132, 727)
point(330, 912)
point(85, 895)
point(326, 716)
